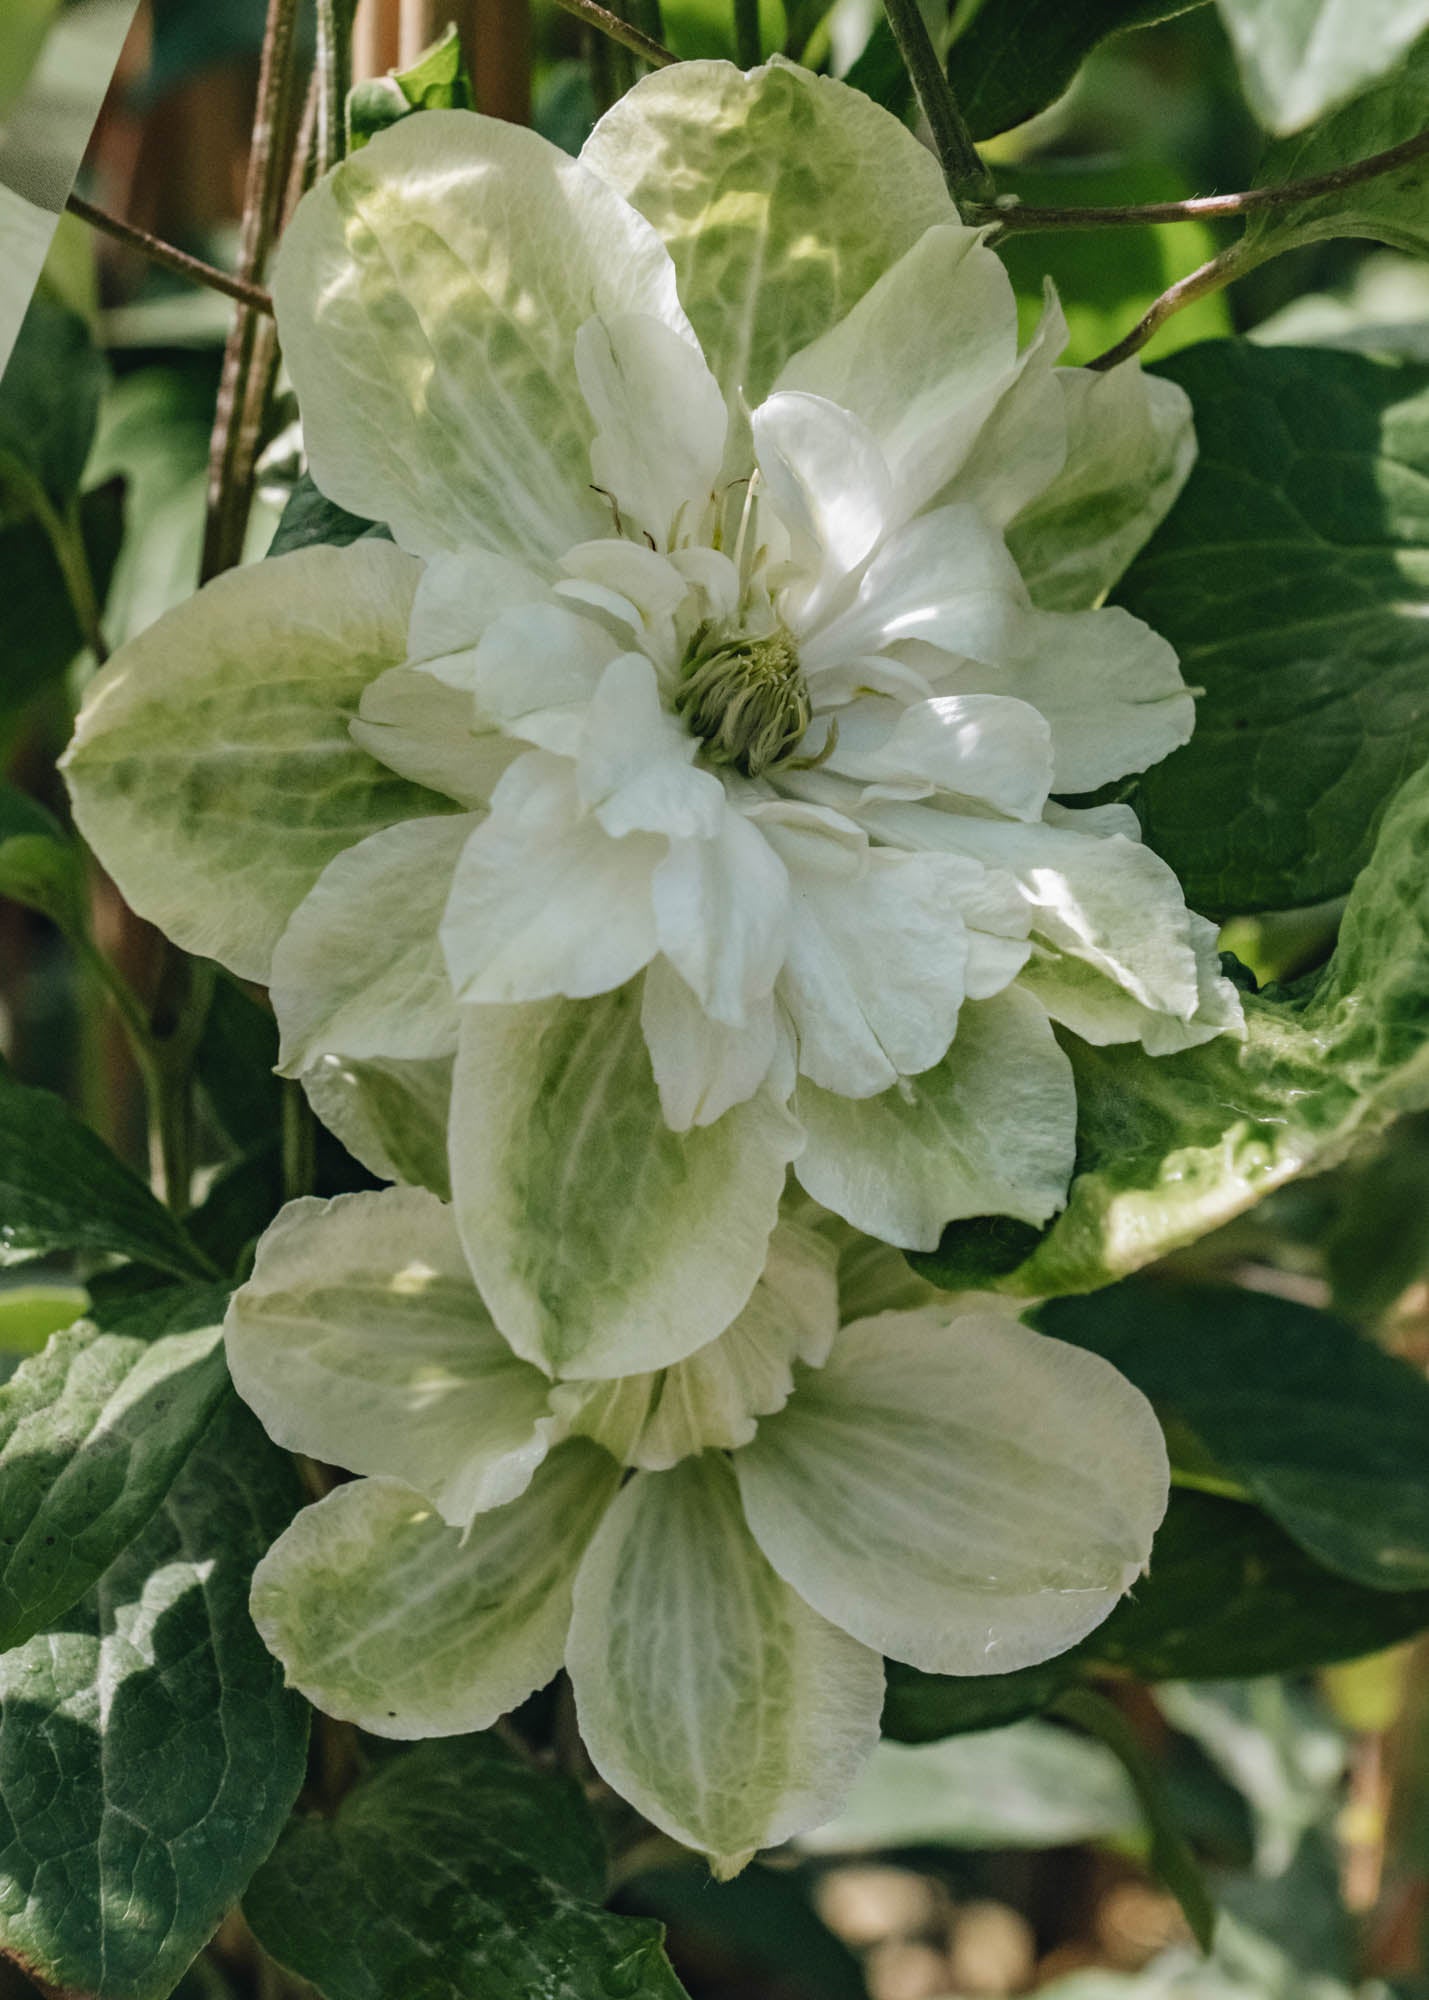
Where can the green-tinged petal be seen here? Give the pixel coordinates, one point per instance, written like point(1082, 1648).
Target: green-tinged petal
point(1081, 997)
point(212, 768)
point(712, 1400)
point(428, 730)
point(708, 1694)
point(958, 1491)
point(361, 1340)
point(384, 1616)
point(603, 1242)
point(988, 1131)
point(1022, 447)
point(390, 1114)
point(921, 359)
point(781, 196)
point(360, 970)
point(429, 294)
point(1130, 449)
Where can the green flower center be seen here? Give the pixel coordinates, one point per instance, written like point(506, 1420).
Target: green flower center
point(748, 702)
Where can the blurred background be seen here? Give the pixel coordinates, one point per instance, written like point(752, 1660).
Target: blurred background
point(998, 1862)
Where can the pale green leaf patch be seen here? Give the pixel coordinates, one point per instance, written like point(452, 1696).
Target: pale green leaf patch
point(781, 196)
point(603, 1243)
point(212, 765)
point(390, 1113)
point(1298, 58)
point(361, 1340)
point(385, 1616)
point(359, 971)
point(988, 1130)
point(428, 297)
point(708, 1693)
point(958, 1491)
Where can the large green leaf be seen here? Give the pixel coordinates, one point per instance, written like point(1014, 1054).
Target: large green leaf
point(49, 405)
point(148, 1752)
point(1329, 1432)
point(1170, 1147)
point(40, 632)
point(62, 1189)
point(1015, 56)
point(93, 1431)
point(1292, 577)
point(1300, 57)
point(1228, 1596)
point(1391, 208)
point(454, 1870)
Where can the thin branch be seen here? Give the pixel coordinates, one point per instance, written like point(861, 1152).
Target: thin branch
point(619, 31)
point(1011, 214)
point(1209, 277)
point(963, 170)
point(159, 252)
point(250, 355)
point(748, 48)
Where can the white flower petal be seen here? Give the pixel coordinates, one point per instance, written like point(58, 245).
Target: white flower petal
point(987, 747)
point(990, 1130)
point(660, 422)
point(701, 1067)
point(428, 296)
point(535, 670)
point(544, 901)
point(873, 979)
point(430, 733)
point(713, 1400)
point(945, 578)
point(384, 1616)
point(641, 590)
point(603, 1242)
point(360, 1339)
point(634, 765)
point(921, 359)
point(1093, 1006)
point(359, 970)
point(390, 1113)
point(460, 594)
point(1094, 892)
point(1130, 449)
point(707, 1693)
point(1022, 447)
point(967, 1496)
point(722, 916)
point(825, 477)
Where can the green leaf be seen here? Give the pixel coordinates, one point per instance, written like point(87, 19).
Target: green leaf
point(1015, 56)
point(237, 1054)
point(1292, 577)
point(1170, 1147)
point(92, 1433)
point(437, 81)
point(1298, 58)
point(148, 1752)
point(49, 405)
point(310, 519)
point(1171, 1855)
point(1391, 208)
point(454, 1870)
point(62, 1189)
point(1103, 295)
point(1029, 1785)
point(1228, 1596)
point(38, 865)
point(1328, 1432)
point(41, 631)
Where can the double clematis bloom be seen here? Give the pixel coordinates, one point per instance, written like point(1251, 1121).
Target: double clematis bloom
point(672, 799)
point(719, 1552)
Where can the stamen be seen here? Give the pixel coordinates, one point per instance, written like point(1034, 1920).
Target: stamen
point(749, 703)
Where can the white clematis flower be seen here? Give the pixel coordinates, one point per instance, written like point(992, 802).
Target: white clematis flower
point(687, 771)
point(719, 1552)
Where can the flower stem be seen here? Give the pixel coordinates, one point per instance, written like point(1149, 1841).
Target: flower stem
point(1210, 277)
point(620, 31)
point(748, 50)
point(66, 537)
point(963, 170)
point(334, 79)
point(1011, 214)
point(172, 259)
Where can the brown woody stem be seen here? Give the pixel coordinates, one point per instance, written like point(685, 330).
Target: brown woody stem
point(159, 252)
